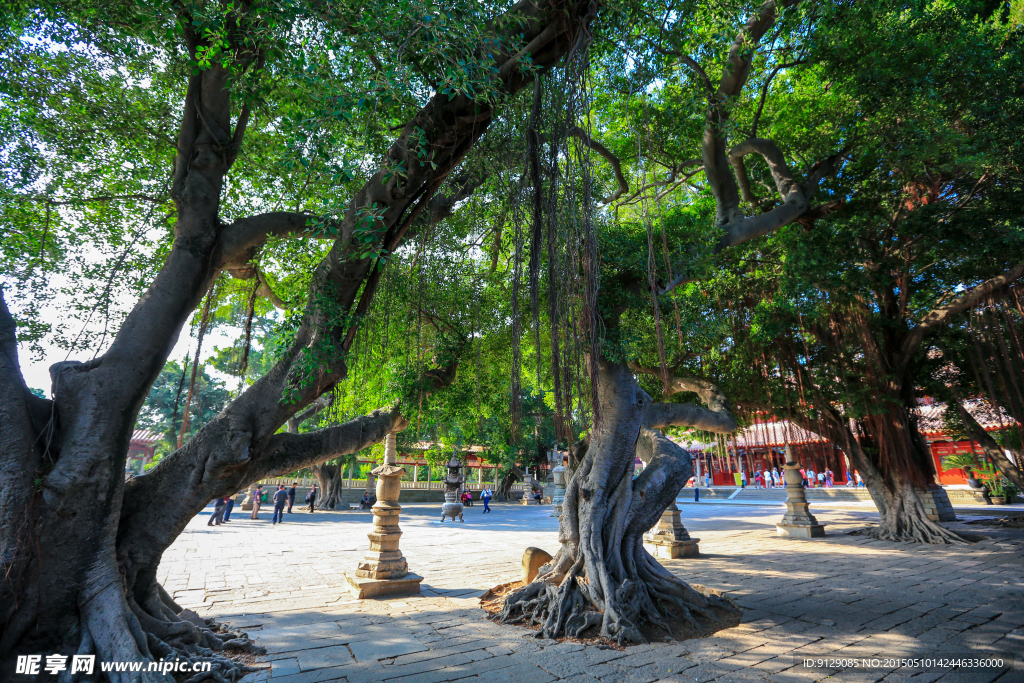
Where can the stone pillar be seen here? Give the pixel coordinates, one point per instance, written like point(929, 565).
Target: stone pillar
point(558, 472)
point(350, 468)
point(384, 570)
point(669, 539)
point(247, 501)
point(480, 476)
point(496, 471)
point(415, 475)
point(936, 504)
point(798, 522)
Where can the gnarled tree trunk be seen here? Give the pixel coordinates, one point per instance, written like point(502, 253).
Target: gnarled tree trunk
point(330, 476)
point(895, 482)
point(80, 545)
point(602, 581)
point(513, 475)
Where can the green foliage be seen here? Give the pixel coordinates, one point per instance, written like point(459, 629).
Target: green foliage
point(960, 461)
point(158, 412)
point(924, 99)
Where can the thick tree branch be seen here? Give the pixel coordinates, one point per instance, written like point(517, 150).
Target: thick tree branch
point(716, 417)
point(287, 452)
point(593, 144)
point(795, 206)
point(322, 403)
point(667, 468)
point(942, 314)
point(240, 239)
point(735, 73)
point(772, 155)
point(989, 445)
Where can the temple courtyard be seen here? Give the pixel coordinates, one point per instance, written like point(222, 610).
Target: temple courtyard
point(843, 597)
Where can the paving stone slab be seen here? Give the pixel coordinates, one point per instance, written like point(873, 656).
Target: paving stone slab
point(385, 646)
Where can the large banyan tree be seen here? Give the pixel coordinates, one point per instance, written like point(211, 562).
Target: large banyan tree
point(602, 581)
point(212, 84)
point(839, 324)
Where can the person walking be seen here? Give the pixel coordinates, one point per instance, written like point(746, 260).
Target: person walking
point(227, 508)
point(485, 496)
point(311, 498)
point(280, 500)
point(257, 500)
point(696, 489)
point(707, 480)
point(291, 496)
point(218, 512)
point(821, 479)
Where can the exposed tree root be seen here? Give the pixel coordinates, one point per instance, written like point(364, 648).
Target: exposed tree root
point(177, 635)
point(653, 604)
point(904, 520)
point(602, 583)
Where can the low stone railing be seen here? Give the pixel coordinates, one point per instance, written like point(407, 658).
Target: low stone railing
point(307, 482)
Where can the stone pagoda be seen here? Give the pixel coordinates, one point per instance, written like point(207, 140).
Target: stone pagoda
point(452, 487)
point(669, 539)
point(384, 570)
point(798, 522)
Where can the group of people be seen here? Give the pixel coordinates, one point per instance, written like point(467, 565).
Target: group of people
point(824, 479)
point(773, 478)
point(485, 497)
point(768, 479)
point(283, 500)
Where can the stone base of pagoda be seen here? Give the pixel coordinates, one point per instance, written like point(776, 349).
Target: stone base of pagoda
point(669, 539)
point(362, 587)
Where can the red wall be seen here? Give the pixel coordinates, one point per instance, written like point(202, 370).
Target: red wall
point(943, 448)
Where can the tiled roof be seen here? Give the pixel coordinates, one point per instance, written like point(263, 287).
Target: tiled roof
point(147, 436)
point(780, 432)
point(930, 416)
point(764, 434)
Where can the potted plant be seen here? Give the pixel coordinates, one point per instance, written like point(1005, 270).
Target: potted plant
point(1009, 490)
point(997, 490)
point(965, 462)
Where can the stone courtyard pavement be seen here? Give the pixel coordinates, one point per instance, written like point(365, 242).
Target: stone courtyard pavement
point(842, 596)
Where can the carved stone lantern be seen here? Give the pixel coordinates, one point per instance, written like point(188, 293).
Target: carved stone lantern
point(452, 486)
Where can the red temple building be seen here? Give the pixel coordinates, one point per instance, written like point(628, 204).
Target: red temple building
point(141, 450)
point(762, 445)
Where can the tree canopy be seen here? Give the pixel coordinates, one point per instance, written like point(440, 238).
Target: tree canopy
point(500, 224)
